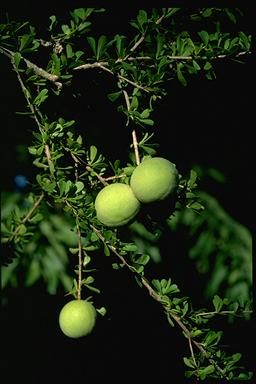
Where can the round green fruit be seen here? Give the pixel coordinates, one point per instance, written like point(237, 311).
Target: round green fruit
point(77, 318)
point(116, 205)
point(154, 179)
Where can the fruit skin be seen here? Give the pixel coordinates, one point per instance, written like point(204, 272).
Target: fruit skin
point(154, 179)
point(116, 205)
point(77, 318)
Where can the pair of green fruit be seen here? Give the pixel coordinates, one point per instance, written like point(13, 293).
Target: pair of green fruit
point(152, 180)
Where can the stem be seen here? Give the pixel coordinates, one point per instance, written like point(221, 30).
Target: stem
point(80, 265)
point(135, 145)
point(134, 136)
point(27, 217)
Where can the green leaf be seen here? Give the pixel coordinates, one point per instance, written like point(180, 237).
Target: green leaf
point(35, 219)
point(130, 247)
point(24, 41)
point(41, 97)
point(80, 13)
point(147, 121)
point(79, 186)
point(204, 36)
point(145, 114)
point(69, 51)
point(92, 43)
point(53, 21)
point(17, 58)
point(114, 96)
point(102, 311)
point(106, 250)
point(142, 17)
point(180, 76)
point(143, 259)
point(230, 15)
point(66, 30)
point(207, 66)
point(93, 153)
point(189, 362)
point(100, 47)
point(217, 302)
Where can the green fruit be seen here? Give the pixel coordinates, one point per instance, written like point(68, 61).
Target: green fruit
point(77, 318)
point(154, 179)
point(116, 205)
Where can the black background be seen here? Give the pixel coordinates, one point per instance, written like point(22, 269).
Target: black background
point(206, 123)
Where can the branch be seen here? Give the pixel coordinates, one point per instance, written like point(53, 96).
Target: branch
point(158, 298)
point(102, 65)
point(38, 71)
point(174, 57)
point(223, 313)
point(27, 217)
point(33, 111)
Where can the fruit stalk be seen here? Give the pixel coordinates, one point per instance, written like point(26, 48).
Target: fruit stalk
point(79, 282)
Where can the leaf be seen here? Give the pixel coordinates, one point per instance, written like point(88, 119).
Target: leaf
point(100, 47)
point(147, 121)
point(217, 302)
point(102, 311)
point(53, 21)
point(92, 43)
point(93, 153)
point(79, 186)
point(17, 58)
point(41, 97)
point(25, 40)
point(69, 51)
point(35, 219)
point(114, 96)
point(180, 76)
point(80, 13)
point(66, 30)
point(189, 362)
point(145, 114)
point(130, 247)
point(230, 15)
point(143, 259)
point(142, 17)
point(204, 36)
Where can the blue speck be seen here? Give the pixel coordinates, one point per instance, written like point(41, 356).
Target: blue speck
point(21, 181)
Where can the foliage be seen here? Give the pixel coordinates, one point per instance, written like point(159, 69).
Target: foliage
point(168, 44)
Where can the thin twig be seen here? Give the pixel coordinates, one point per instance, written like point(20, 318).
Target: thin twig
point(27, 217)
point(102, 65)
point(80, 265)
point(142, 38)
point(134, 136)
point(213, 313)
point(136, 148)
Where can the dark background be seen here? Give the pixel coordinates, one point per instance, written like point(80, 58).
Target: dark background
point(206, 123)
